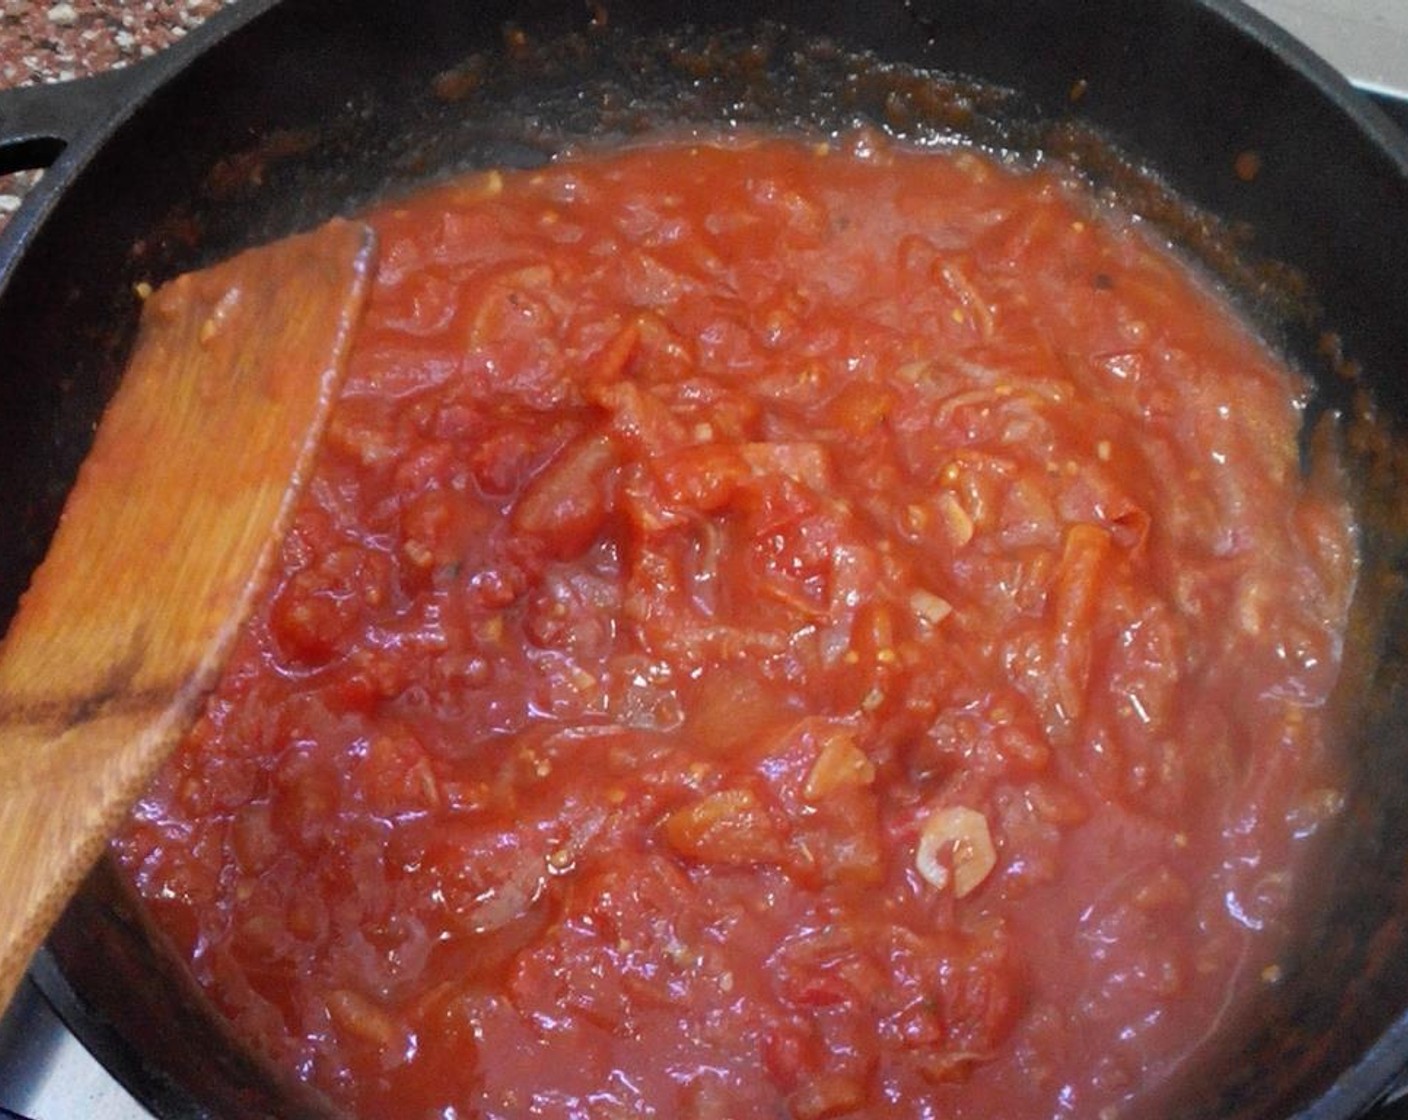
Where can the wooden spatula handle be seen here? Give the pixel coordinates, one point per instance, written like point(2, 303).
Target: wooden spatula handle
point(166, 537)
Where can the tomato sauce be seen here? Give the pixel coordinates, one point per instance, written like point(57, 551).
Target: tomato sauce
point(777, 630)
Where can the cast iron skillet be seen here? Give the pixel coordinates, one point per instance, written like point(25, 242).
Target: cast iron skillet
point(276, 115)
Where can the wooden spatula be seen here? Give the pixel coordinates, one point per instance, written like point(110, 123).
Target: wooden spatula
point(167, 535)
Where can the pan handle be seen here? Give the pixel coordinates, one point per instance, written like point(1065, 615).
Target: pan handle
point(38, 122)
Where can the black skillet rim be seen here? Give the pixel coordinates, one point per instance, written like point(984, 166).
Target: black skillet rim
point(1359, 1087)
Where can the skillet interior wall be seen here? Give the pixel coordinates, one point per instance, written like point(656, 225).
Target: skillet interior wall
point(320, 105)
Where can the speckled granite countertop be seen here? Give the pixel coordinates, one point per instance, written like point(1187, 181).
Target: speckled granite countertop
point(43, 41)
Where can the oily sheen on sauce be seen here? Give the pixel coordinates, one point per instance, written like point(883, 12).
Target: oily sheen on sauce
point(778, 629)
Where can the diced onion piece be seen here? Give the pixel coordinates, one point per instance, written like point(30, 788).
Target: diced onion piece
point(957, 522)
point(803, 461)
point(356, 1014)
point(840, 763)
point(962, 834)
point(929, 607)
point(729, 827)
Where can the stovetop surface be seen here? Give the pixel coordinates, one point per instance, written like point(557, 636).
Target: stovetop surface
point(1366, 39)
point(46, 1074)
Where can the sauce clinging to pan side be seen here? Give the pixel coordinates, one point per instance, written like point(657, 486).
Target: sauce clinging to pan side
point(777, 630)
